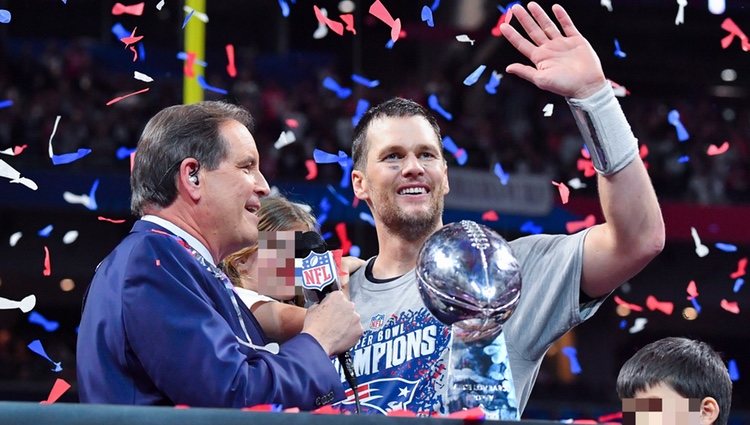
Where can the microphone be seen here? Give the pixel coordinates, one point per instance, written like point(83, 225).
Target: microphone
point(319, 278)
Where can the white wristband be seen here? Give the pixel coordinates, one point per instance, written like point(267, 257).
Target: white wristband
point(605, 130)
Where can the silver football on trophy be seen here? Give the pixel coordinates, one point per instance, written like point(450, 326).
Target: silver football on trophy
point(468, 276)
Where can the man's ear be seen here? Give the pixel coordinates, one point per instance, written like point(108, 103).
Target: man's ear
point(188, 179)
point(359, 185)
point(709, 411)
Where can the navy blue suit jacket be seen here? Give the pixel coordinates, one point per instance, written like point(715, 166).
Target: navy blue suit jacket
point(158, 328)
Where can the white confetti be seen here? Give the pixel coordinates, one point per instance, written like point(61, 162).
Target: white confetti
point(700, 249)
point(72, 198)
point(26, 305)
point(286, 138)
point(15, 177)
point(638, 326)
point(160, 5)
point(607, 4)
point(200, 15)
point(463, 38)
point(70, 237)
point(142, 77)
point(14, 238)
point(322, 29)
point(576, 183)
point(548, 109)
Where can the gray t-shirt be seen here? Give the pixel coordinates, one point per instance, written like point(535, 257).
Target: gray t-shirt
point(402, 357)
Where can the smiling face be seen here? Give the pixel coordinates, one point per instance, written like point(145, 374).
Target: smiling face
point(231, 193)
point(405, 177)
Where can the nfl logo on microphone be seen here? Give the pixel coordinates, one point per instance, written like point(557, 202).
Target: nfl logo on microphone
point(318, 270)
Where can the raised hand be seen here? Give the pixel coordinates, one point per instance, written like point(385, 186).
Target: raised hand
point(563, 64)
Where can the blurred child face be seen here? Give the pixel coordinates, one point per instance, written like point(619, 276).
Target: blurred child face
point(275, 262)
point(661, 405)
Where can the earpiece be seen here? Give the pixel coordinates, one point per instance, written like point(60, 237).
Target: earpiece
point(194, 177)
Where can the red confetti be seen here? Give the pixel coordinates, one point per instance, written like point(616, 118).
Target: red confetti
point(346, 244)
point(132, 39)
point(564, 191)
point(505, 17)
point(336, 27)
point(741, 266)
point(58, 389)
point(312, 169)
point(135, 53)
point(610, 417)
point(587, 166)
point(730, 306)
point(135, 9)
point(47, 266)
point(633, 307)
point(337, 254)
point(585, 153)
point(100, 218)
point(181, 406)
point(665, 307)
point(117, 99)
point(261, 408)
point(574, 226)
point(291, 123)
point(692, 290)
point(734, 30)
point(187, 69)
point(327, 410)
point(379, 11)
point(231, 69)
point(349, 21)
point(158, 262)
point(490, 216)
point(18, 149)
point(718, 150)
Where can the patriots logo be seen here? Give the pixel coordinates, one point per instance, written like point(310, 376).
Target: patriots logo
point(318, 271)
point(371, 394)
point(377, 321)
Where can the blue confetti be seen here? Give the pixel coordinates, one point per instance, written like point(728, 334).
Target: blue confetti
point(36, 346)
point(501, 174)
point(362, 107)
point(571, 354)
point(433, 103)
point(623, 324)
point(367, 217)
point(531, 228)
point(427, 16)
point(205, 86)
point(141, 52)
point(338, 196)
point(45, 232)
point(327, 235)
point(332, 85)
point(48, 325)
point(390, 43)
point(734, 372)
point(474, 76)
point(618, 52)
point(67, 158)
point(435, 5)
point(92, 196)
point(183, 56)
point(458, 153)
point(683, 159)
point(4, 16)
point(354, 251)
point(673, 117)
point(6, 104)
point(493, 83)
point(187, 18)
point(696, 306)
point(123, 152)
point(323, 157)
point(119, 31)
point(738, 284)
point(505, 9)
point(725, 247)
point(365, 81)
point(284, 8)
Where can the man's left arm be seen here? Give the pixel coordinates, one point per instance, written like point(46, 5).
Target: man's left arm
point(565, 64)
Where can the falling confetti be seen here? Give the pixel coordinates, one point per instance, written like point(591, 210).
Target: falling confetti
point(48, 325)
point(576, 183)
point(362, 107)
point(368, 218)
point(700, 249)
point(633, 307)
point(729, 25)
point(618, 52)
point(673, 117)
point(187, 17)
point(142, 77)
point(14, 238)
point(717, 7)
point(725, 247)
point(501, 174)
point(332, 85)
point(493, 83)
point(638, 325)
point(285, 138)
point(472, 78)
point(692, 290)
point(490, 215)
point(58, 389)
point(741, 266)
point(571, 354)
point(336, 27)
point(730, 306)
point(135, 9)
point(458, 153)
point(531, 228)
point(70, 237)
point(322, 30)
point(36, 346)
point(205, 86)
point(433, 103)
point(15, 176)
point(734, 372)
point(47, 264)
point(115, 221)
point(714, 150)
point(564, 191)
point(65, 158)
point(5, 16)
point(379, 11)
point(653, 304)
point(738, 285)
point(45, 231)
point(198, 15)
point(231, 68)
point(117, 99)
point(463, 38)
point(25, 305)
point(426, 16)
point(365, 81)
point(312, 169)
point(346, 244)
point(680, 18)
point(575, 226)
point(6, 103)
point(548, 109)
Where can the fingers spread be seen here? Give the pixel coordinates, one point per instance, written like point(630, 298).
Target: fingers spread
point(565, 22)
point(517, 40)
point(529, 25)
point(541, 17)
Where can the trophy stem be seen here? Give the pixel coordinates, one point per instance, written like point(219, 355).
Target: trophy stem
point(479, 375)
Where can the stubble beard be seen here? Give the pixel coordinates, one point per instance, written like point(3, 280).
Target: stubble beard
point(408, 226)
